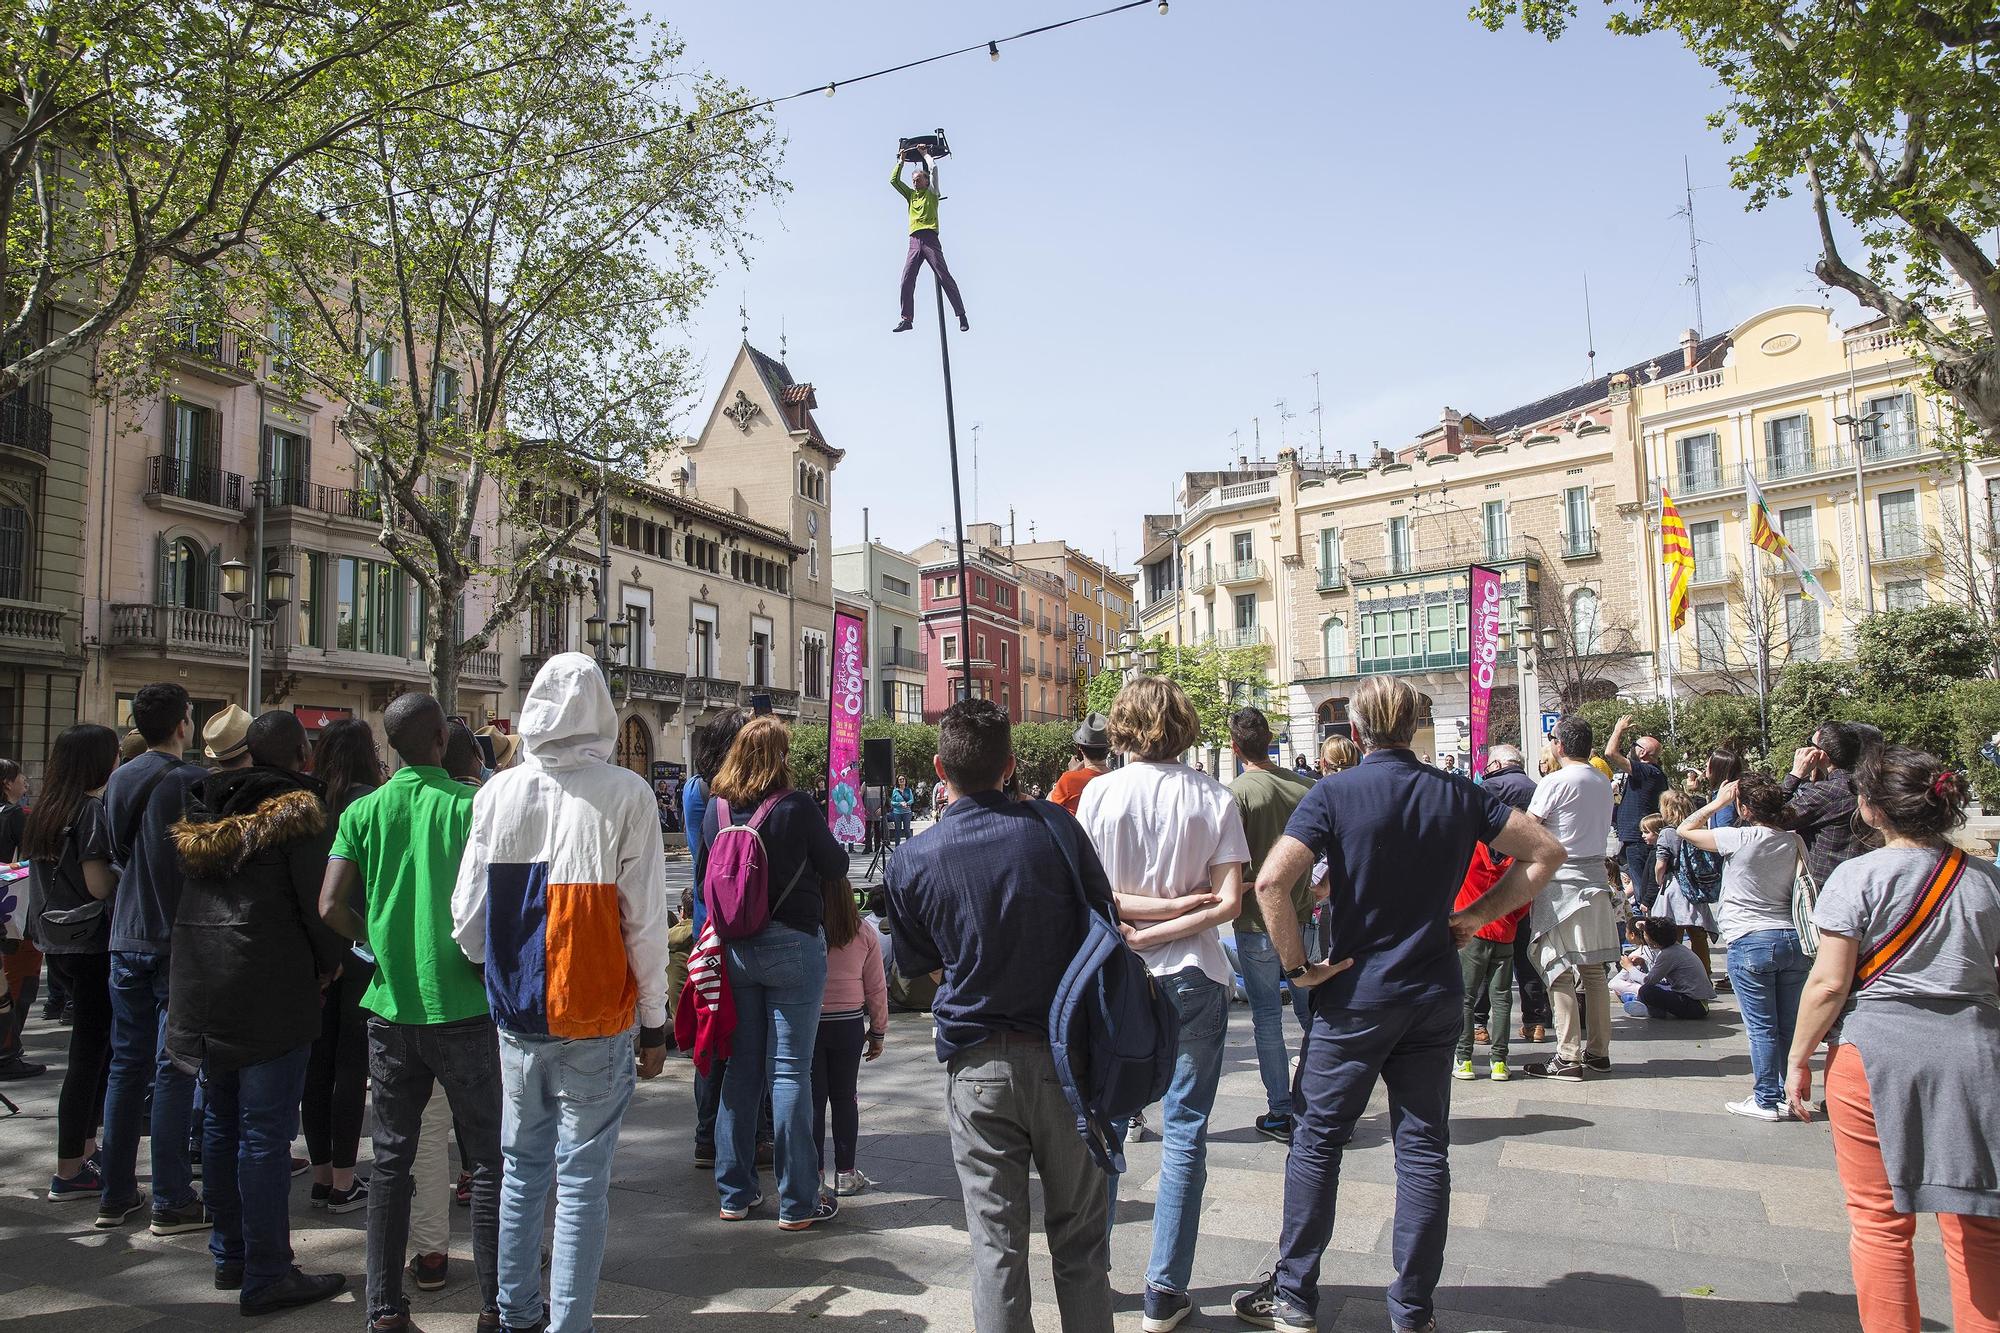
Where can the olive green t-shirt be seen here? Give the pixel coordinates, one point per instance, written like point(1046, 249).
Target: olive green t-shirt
point(406, 838)
point(1266, 798)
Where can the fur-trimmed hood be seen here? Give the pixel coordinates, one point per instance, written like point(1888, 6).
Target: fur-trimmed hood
point(234, 824)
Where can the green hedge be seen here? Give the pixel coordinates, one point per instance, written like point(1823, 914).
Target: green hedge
point(1041, 750)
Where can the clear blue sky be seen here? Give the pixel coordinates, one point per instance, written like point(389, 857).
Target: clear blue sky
point(1162, 226)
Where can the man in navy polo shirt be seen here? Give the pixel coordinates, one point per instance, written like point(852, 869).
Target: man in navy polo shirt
point(1397, 835)
point(986, 898)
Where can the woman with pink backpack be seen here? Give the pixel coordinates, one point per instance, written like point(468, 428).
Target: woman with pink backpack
point(770, 867)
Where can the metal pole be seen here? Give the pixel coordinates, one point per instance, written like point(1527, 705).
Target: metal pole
point(957, 508)
point(1666, 626)
point(1860, 489)
point(603, 566)
point(258, 610)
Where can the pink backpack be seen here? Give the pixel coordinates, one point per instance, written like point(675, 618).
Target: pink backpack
point(738, 880)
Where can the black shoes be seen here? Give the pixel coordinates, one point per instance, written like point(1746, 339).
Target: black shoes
point(1275, 1127)
point(291, 1291)
point(903, 327)
point(111, 1215)
point(1558, 1069)
point(15, 1068)
point(1597, 1064)
point(180, 1219)
point(963, 326)
point(229, 1277)
point(1263, 1306)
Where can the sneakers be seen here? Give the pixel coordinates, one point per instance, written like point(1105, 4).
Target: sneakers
point(347, 1200)
point(429, 1272)
point(738, 1214)
point(1275, 1127)
point(301, 1165)
point(1498, 1072)
point(177, 1220)
point(1556, 1068)
point(1263, 1307)
point(902, 327)
point(85, 1184)
point(1597, 1064)
point(1165, 1309)
point(322, 1190)
point(229, 1276)
point(15, 1068)
point(849, 1183)
point(1750, 1108)
point(1462, 1069)
point(293, 1289)
point(111, 1215)
point(825, 1210)
point(704, 1158)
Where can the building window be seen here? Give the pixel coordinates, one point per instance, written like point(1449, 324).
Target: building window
point(444, 394)
point(1706, 539)
point(14, 548)
point(1796, 524)
point(287, 464)
point(949, 650)
point(813, 668)
point(761, 639)
point(1246, 616)
point(368, 606)
point(1902, 535)
point(1700, 459)
point(1894, 432)
point(890, 583)
point(1802, 627)
point(1788, 446)
point(191, 450)
point(1904, 595)
point(979, 648)
point(1400, 552)
point(1243, 547)
point(1006, 662)
point(979, 585)
point(308, 631)
point(812, 558)
point(1711, 635)
point(1585, 630)
point(185, 575)
point(1493, 522)
point(635, 646)
point(380, 371)
point(1333, 643)
point(1579, 537)
point(1414, 638)
point(702, 662)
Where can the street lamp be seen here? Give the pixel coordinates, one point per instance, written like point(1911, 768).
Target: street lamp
point(1525, 645)
point(258, 608)
point(1862, 430)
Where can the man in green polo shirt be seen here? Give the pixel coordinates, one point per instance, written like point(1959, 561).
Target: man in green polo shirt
point(388, 884)
point(922, 196)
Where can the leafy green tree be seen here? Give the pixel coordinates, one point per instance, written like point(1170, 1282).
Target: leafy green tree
point(1889, 112)
point(1919, 650)
point(148, 139)
point(1806, 694)
point(807, 755)
point(1216, 680)
point(1042, 751)
point(501, 295)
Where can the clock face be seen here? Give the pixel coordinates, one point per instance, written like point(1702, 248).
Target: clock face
point(812, 525)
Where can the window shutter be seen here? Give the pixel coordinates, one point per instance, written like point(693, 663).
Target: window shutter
point(1807, 419)
point(214, 584)
point(159, 569)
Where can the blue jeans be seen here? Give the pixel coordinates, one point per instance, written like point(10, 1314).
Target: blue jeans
point(777, 978)
point(1263, 976)
point(1768, 971)
point(1638, 859)
point(1204, 1010)
point(1409, 1048)
point(139, 1065)
point(246, 1164)
point(563, 1102)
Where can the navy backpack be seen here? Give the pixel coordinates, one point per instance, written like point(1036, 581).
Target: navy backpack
point(1113, 1032)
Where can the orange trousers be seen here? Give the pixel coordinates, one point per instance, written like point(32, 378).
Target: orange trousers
point(1885, 1266)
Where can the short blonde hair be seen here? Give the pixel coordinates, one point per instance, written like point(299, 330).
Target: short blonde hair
point(1152, 720)
point(1338, 752)
point(1384, 711)
point(1547, 762)
point(758, 763)
point(1675, 806)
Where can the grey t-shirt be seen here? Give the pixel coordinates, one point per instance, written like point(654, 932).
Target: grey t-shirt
point(1759, 867)
point(1676, 968)
point(1951, 958)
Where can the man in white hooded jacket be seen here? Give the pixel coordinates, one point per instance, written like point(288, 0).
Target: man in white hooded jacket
point(562, 899)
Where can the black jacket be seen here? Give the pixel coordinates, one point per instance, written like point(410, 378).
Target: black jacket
point(249, 947)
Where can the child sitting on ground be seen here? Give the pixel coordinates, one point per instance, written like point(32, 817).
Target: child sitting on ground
point(1663, 978)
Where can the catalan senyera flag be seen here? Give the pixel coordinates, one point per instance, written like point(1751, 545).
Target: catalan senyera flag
point(1765, 536)
point(1677, 554)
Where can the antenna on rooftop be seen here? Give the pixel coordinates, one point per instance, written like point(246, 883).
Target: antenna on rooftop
point(1694, 244)
point(1283, 417)
point(976, 428)
point(1319, 421)
point(1589, 332)
point(1257, 437)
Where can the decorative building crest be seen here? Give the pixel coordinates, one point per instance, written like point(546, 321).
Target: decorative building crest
point(742, 411)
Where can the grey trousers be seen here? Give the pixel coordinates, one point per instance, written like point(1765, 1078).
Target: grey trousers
point(1007, 1112)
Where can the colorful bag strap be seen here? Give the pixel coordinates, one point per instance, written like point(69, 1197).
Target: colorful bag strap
point(1938, 887)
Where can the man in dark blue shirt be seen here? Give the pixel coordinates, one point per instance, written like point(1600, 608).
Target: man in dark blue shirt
point(985, 899)
point(1645, 780)
point(1398, 835)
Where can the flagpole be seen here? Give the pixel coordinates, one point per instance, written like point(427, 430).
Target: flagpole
point(1752, 498)
point(1666, 623)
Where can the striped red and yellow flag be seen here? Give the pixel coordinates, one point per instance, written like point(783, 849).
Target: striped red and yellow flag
point(1677, 553)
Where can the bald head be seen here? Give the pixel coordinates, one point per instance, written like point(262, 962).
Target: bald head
point(415, 726)
point(1648, 749)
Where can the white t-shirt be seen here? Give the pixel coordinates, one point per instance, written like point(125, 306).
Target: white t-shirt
point(1160, 829)
point(1759, 867)
point(1574, 803)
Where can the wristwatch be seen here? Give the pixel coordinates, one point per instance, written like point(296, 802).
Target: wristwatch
point(1295, 973)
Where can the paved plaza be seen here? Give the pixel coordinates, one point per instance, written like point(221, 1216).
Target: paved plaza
point(1628, 1203)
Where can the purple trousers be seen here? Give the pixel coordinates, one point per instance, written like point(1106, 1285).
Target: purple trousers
point(924, 249)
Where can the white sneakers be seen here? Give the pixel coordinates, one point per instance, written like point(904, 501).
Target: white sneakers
point(1750, 1109)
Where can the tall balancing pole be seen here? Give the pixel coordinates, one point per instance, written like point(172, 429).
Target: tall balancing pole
point(957, 507)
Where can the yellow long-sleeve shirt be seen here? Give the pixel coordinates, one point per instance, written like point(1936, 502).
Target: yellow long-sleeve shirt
point(923, 203)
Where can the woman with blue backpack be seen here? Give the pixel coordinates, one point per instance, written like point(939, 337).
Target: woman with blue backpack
point(765, 883)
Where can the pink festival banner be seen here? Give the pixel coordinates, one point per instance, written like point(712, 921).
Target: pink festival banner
point(844, 811)
point(1487, 607)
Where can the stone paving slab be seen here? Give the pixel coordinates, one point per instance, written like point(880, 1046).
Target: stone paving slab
point(1631, 1202)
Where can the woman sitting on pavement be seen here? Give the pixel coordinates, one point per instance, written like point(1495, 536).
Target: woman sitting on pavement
point(1767, 966)
point(1904, 991)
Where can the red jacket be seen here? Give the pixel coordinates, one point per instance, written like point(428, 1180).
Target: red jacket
point(1483, 873)
point(705, 1017)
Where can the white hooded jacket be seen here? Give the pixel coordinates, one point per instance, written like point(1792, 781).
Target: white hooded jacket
point(562, 894)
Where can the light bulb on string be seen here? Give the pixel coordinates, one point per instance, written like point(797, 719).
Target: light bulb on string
point(1163, 8)
point(830, 88)
point(993, 50)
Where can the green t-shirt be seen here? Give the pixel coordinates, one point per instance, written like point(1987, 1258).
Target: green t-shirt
point(406, 838)
point(923, 203)
point(1266, 798)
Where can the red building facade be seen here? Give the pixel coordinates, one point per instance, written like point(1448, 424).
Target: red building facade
point(994, 609)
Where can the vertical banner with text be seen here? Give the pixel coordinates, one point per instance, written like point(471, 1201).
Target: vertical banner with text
point(844, 812)
point(1484, 654)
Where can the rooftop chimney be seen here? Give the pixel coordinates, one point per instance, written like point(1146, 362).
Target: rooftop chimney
point(1450, 421)
point(1690, 340)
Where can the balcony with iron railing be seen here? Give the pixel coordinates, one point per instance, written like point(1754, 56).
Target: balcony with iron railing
point(1240, 571)
point(1242, 636)
point(903, 659)
point(210, 349)
point(1430, 559)
point(1042, 623)
point(1580, 544)
point(1201, 578)
point(1063, 676)
point(1713, 570)
point(1061, 630)
point(1045, 671)
point(24, 424)
point(1332, 578)
point(175, 479)
point(1901, 545)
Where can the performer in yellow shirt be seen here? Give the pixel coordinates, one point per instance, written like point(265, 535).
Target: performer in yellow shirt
point(924, 249)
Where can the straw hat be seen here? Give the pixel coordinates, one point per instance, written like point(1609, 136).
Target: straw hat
point(227, 735)
point(506, 746)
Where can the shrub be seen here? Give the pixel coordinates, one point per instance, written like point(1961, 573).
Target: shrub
point(1921, 649)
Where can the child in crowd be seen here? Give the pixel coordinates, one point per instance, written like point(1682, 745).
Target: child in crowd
point(853, 1013)
point(1662, 978)
point(1676, 904)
